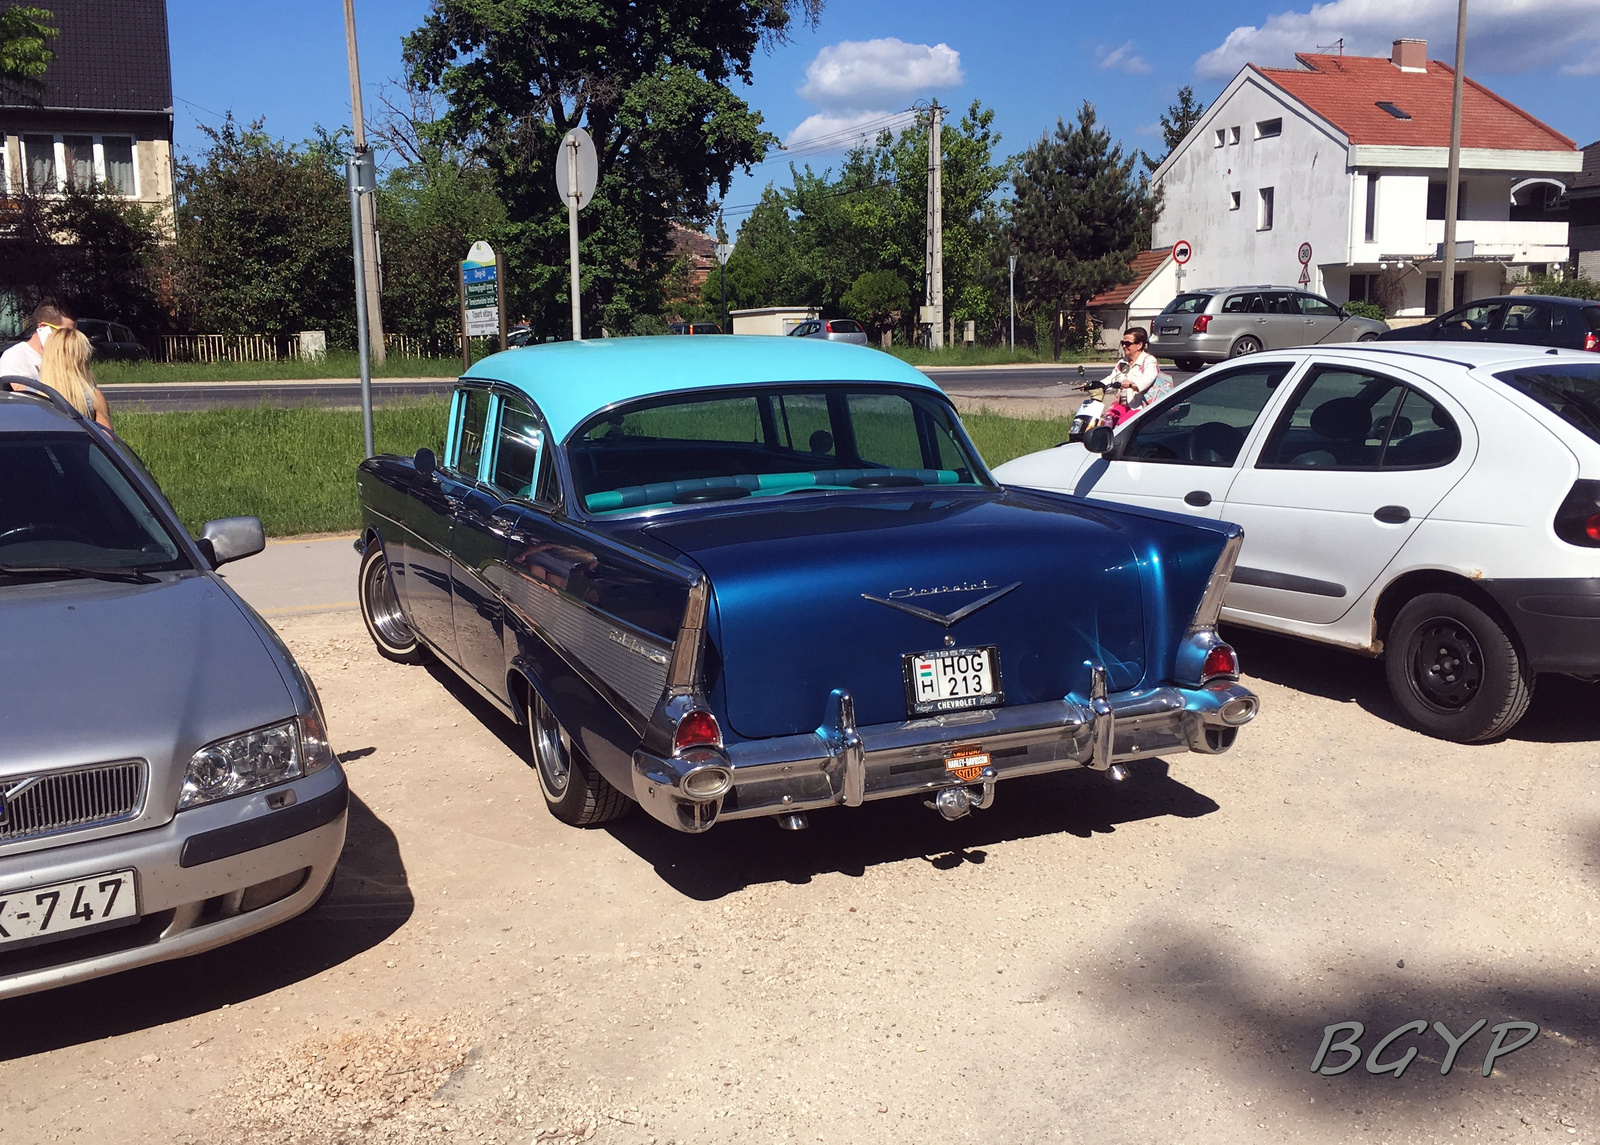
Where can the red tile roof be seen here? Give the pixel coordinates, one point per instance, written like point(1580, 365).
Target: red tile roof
point(1345, 90)
point(1145, 263)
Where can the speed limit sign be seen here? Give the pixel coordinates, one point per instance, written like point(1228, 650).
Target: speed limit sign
point(1182, 251)
point(1305, 253)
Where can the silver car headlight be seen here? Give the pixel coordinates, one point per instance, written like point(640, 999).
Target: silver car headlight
point(261, 758)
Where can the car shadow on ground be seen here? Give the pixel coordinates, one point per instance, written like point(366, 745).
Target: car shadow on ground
point(1564, 710)
point(367, 901)
point(745, 852)
point(1205, 993)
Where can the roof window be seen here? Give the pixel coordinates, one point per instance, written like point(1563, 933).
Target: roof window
point(1392, 109)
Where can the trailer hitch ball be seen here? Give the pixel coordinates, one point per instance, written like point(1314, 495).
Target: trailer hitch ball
point(952, 803)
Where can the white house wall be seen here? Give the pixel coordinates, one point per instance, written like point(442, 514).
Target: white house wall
point(1305, 166)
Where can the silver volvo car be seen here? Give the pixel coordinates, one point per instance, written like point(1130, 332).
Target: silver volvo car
point(166, 783)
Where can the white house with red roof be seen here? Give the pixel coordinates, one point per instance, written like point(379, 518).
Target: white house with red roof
point(1152, 282)
point(1344, 158)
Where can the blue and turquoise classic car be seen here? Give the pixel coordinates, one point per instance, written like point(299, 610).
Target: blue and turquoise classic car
point(736, 577)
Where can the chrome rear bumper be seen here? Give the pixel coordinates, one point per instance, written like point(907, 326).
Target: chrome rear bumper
point(841, 763)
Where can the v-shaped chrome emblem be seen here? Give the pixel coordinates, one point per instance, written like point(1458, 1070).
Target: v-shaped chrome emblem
point(947, 619)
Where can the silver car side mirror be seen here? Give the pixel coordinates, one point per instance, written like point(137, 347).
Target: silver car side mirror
point(232, 538)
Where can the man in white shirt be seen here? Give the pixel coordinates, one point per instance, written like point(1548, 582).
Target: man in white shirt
point(23, 359)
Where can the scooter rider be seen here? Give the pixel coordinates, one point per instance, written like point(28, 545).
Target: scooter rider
point(1133, 376)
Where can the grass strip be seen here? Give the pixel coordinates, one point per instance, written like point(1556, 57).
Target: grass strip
point(295, 468)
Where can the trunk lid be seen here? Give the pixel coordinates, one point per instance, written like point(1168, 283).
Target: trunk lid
point(791, 621)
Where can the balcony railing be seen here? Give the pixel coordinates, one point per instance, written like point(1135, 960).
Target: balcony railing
point(1533, 241)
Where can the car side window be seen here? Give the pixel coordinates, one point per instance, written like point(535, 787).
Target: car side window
point(519, 454)
point(1340, 419)
point(1313, 307)
point(1526, 318)
point(1208, 424)
point(1282, 304)
point(1237, 303)
point(1347, 419)
point(472, 412)
point(1424, 435)
point(1479, 316)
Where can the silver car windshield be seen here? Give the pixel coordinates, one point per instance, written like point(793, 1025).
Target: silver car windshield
point(68, 506)
point(723, 446)
point(1570, 390)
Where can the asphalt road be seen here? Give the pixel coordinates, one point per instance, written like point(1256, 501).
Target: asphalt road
point(977, 381)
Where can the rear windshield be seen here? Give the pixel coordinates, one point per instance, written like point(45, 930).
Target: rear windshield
point(1570, 390)
point(66, 503)
point(760, 442)
point(1187, 304)
point(844, 326)
point(1592, 313)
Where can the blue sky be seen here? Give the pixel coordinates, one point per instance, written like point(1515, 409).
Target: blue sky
point(1030, 60)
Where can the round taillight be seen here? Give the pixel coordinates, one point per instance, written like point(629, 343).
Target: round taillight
point(697, 729)
point(1592, 527)
point(1220, 661)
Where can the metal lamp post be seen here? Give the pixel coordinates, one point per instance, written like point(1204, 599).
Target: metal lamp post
point(361, 177)
point(1012, 260)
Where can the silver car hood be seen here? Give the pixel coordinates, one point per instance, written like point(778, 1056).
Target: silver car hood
point(95, 671)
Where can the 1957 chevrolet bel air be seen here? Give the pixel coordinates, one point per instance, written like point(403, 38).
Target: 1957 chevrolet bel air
point(735, 577)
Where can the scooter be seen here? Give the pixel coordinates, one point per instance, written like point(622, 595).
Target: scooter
point(1089, 412)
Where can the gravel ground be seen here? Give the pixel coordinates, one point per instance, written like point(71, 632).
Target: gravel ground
point(1151, 961)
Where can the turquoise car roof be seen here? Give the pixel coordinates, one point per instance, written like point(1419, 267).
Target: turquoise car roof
point(571, 380)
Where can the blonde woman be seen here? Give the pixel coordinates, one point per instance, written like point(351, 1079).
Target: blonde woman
point(65, 369)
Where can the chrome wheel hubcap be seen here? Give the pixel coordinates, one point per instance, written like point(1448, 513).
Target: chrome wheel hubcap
point(383, 607)
point(552, 749)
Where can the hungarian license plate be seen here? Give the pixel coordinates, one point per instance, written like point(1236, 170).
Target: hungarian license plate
point(952, 679)
point(41, 913)
point(1169, 330)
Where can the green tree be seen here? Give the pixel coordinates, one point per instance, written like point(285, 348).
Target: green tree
point(25, 35)
point(1078, 217)
point(876, 298)
point(1176, 123)
point(761, 270)
point(1571, 286)
point(263, 240)
point(92, 250)
point(652, 84)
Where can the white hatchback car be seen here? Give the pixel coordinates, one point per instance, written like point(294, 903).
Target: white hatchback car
point(1435, 503)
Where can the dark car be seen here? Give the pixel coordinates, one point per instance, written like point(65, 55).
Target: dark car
point(112, 341)
point(751, 576)
point(1525, 319)
point(695, 328)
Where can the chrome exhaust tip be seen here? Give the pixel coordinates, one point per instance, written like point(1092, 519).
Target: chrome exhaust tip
point(793, 821)
point(1117, 772)
point(1239, 710)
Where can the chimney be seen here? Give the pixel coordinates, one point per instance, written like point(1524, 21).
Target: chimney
point(1410, 55)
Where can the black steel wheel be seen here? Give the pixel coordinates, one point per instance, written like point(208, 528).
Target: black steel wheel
point(380, 609)
point(1454, 670)
point(573, 790)
point(1249, 344)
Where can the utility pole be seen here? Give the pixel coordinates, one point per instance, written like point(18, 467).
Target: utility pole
point(1452, 189)
point(369, 216)
point(934, 273)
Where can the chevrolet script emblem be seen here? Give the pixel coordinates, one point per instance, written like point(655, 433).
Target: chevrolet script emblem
point(898, 599)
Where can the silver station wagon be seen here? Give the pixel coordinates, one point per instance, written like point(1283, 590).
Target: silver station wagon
point(1208, 325)
point(166, 784)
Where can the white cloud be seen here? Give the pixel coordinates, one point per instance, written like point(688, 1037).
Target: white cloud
point(840, 132)
point(1502, 36)
point(1123, 59)
point(857, 74)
